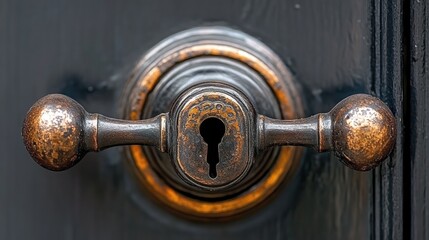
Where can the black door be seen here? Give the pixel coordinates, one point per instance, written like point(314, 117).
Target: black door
point(87, 49)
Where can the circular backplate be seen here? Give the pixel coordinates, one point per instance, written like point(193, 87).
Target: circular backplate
point(221, 54)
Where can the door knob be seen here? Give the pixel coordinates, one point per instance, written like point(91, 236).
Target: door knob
point(212, 104)
point(58, 132)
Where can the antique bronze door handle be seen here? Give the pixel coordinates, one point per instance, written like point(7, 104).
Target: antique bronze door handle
point(220, 101)
point(58, 132)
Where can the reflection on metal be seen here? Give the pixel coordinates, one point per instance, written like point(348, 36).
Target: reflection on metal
point(361, 130)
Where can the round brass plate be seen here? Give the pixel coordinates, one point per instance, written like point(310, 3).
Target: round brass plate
point(211, 42)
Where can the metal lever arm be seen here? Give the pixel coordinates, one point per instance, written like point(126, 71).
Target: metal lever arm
point(58, 132)
point(360, 130)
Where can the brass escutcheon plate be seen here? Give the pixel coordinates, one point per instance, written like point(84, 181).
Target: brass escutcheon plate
point(226, 46)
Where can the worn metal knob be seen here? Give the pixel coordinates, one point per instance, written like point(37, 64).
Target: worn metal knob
point(360, 130)
point(58, 132)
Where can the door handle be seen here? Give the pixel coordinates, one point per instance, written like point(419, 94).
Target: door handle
point(220, 103)
point(58, 132)
point(360, 130)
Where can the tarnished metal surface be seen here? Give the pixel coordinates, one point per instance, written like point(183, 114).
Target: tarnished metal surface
point(58, 132)
point(363, 131)
point(222, 43)
point(212, 71)
point(360, 130)
point(53, 132)
point(236, 147)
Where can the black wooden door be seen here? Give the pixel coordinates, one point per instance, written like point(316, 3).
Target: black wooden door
point(86, 50)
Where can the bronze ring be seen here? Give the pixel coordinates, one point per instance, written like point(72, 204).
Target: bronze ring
point(258, 57)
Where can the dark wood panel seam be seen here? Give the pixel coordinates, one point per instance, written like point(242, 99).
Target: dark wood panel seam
point(417, 121)
point(407, 121)
point(387, 83)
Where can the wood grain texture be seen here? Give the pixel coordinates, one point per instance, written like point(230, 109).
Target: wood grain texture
point(85, 49)
point(418, 119)
point(387, 215)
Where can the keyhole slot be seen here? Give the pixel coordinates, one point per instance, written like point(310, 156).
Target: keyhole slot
point(212, 131)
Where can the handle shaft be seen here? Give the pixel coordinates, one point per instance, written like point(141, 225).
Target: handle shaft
point(115, 132)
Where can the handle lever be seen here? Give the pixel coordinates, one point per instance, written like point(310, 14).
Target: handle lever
point(360, 130)
point(58, 132)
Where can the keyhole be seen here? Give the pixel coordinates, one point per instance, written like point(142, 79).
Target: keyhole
point(212, 130)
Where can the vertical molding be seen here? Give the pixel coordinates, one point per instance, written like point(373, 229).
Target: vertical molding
point(418, 121)
point(387, 83)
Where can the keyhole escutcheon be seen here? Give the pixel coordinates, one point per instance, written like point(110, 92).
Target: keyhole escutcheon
point(212, 131)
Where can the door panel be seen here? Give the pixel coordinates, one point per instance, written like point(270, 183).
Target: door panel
point(87, 49)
